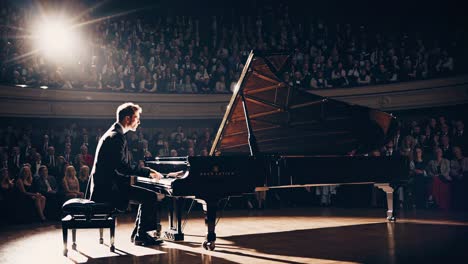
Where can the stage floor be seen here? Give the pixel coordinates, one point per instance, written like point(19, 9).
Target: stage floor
point(292, 235)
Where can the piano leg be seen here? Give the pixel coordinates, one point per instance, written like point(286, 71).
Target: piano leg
point(157, 232)
point(391, 216)
point(174, 232)
point(209, 208)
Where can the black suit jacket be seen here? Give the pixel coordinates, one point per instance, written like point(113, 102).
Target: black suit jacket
point(15, 165)
point(111, 169)
point(53, 168)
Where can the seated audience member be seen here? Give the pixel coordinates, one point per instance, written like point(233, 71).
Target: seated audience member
point(364, 77)
point(16, 160)
point(37, 163)
point(460, 138)
point(459, 175)
point(83, 178)
point(188, 85)
point(388, 149)
point(26, 194)
point(62, 164)
point(164, 151)
point(179, 131)
point(319, 82)
point(6, 182)
point(177, 143)
point(67, 155)
point(71, 185)
point(46, 185)
point(407, 145)
point(174, 153)
point(4, 160)
point(439, 169)
point(446, 147)
point(148, 156)
point(191, 152)
point(84, 158)
point(50, 160)
point(419, 180)
point(6, 194)
point(220, 86)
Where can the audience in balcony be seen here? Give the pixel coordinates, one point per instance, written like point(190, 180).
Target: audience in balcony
point(170, 54)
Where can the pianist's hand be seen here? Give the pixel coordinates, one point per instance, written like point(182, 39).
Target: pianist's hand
point(155, 175)
point(175, 174)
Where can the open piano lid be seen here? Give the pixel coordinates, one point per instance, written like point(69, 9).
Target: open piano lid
point(289, 120)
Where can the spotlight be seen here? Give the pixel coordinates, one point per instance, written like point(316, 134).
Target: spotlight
point(56, 38)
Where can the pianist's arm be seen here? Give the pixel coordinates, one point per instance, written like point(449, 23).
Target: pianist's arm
point(123, 166)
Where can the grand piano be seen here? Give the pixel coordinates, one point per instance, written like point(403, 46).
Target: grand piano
point(276, 135)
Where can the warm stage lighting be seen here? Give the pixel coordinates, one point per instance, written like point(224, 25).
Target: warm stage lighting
point(56, 38)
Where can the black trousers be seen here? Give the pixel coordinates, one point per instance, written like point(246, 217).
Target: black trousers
point(147, 218)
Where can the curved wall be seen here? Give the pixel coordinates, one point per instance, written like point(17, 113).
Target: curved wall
point(48, 103)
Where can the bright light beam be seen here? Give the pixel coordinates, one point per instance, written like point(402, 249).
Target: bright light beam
point(56, 38)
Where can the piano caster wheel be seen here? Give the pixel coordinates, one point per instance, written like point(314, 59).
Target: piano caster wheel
point(209, 245)
point(65, 252)
point(112, 249)
point(391, 219)
point(101, 241)
point(74, 246)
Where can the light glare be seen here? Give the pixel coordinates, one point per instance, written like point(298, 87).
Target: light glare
point(56, 38)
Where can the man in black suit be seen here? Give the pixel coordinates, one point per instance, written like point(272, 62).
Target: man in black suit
point(15, 162)
point(51, 162)
point(111, 170)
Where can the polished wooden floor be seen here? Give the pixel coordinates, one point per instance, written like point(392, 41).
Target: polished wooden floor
point(292, 235)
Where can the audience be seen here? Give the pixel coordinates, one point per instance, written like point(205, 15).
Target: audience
point(187, 54)
point(438, 179)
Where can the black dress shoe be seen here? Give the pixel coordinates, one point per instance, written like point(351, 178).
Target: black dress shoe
point(146, 240)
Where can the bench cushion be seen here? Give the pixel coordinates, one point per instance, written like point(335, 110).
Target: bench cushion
point(86, 207)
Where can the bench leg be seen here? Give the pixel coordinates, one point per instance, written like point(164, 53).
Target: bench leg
point(65, 238)
point(101, 233)
point(74, 239)
point(112, 236)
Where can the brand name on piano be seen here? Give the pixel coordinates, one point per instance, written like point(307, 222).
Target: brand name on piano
point(218, 173)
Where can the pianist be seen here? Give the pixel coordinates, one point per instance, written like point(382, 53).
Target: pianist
point(111, 171)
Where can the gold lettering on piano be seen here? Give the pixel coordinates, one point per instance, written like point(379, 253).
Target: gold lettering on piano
point(221, 173)
point(215, 172)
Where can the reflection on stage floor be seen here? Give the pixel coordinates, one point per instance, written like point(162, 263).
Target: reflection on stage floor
point(295, 235)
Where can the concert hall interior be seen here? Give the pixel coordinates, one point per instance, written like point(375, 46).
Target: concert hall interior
point(249, 131)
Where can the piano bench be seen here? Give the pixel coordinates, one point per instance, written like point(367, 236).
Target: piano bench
point(83, 213)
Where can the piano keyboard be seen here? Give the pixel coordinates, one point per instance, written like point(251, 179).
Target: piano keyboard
point(167, 182)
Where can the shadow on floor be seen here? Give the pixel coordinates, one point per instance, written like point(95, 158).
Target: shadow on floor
point(368, 243)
